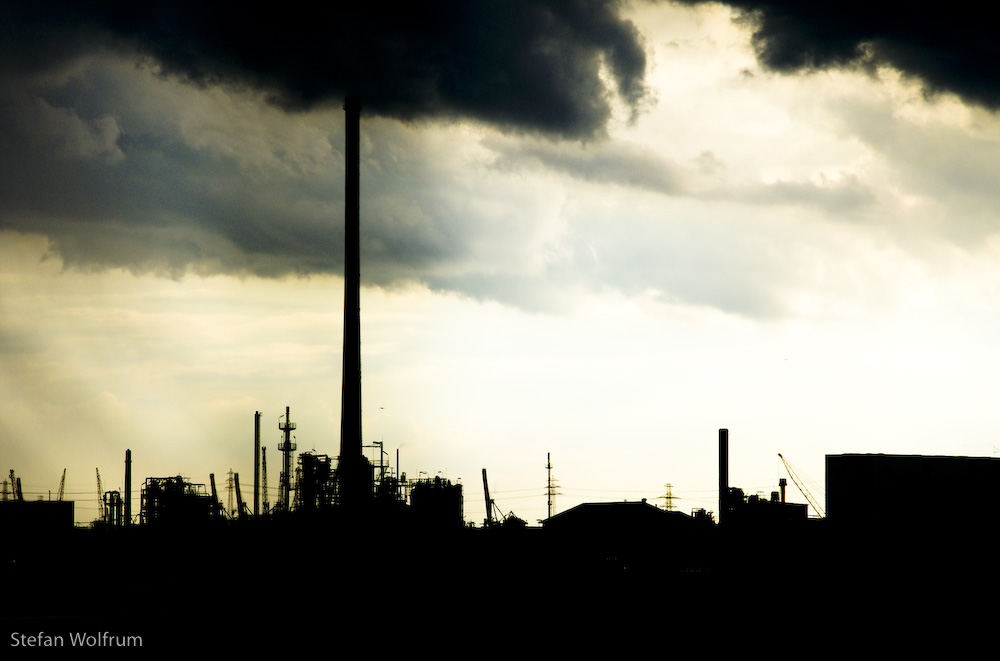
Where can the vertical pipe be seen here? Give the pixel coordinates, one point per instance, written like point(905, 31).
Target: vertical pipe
point(256, 463)
point(723, 473)
point(128, 487)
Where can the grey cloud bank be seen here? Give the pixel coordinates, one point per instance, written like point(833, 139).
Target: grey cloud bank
point(169, 139)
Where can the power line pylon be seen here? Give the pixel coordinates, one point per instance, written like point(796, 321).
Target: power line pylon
point(230, 510)
point(550, 488)
point(669, 497)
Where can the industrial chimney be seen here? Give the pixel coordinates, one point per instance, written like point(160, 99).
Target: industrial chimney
point(353, 471)
point(128, 488)
point(723, 473)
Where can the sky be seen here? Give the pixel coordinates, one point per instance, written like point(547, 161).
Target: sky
point(593, 229)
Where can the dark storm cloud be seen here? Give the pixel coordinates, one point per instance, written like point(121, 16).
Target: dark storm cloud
point(950, 46)
point(521, 64)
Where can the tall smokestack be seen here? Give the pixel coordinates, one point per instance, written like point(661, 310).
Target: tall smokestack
point(353, 470)
point(256, 463)
point(128, 487)
point(723, 472)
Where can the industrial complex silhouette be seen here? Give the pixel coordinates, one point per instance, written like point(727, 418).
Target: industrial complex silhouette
point(393, 556)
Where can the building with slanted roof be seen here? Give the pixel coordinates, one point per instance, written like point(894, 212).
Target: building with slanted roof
point(631, 536)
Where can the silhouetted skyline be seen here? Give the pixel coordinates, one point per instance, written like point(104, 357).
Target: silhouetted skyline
point(598, 235)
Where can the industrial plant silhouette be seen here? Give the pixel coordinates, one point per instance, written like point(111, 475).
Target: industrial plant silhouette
point(361, 550)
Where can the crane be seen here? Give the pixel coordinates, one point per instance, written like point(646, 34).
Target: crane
point(802, 487)
point(62, 486)
point(217, 508)
point(100, 495)
point(491, 507)
point(15, 486)
point(489, 503)
point(241, 507)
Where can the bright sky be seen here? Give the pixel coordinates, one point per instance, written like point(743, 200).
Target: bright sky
point(806, 258)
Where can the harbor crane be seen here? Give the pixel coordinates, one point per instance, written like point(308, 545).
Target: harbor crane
point(500, 519)
point(802, 487)
point(100, 495)
point(489, 503)
point(15, 486)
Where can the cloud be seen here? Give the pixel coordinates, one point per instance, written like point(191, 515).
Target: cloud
point(121, 169)
point(950, 47)
point(213, 180)
point(837, 197)
point(545, 66)
point(638, 168)
point(607, 162)
point(190, 161)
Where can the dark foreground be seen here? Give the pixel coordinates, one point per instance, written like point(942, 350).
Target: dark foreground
point(334, 587)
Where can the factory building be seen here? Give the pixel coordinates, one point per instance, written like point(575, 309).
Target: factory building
point(878, 490)
point(912, 523)
point(618, 519)
point(757, 510)
point(27, 517)
point(437, 503)
point(737, 509)
point(175, 501)
point(634, 538)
